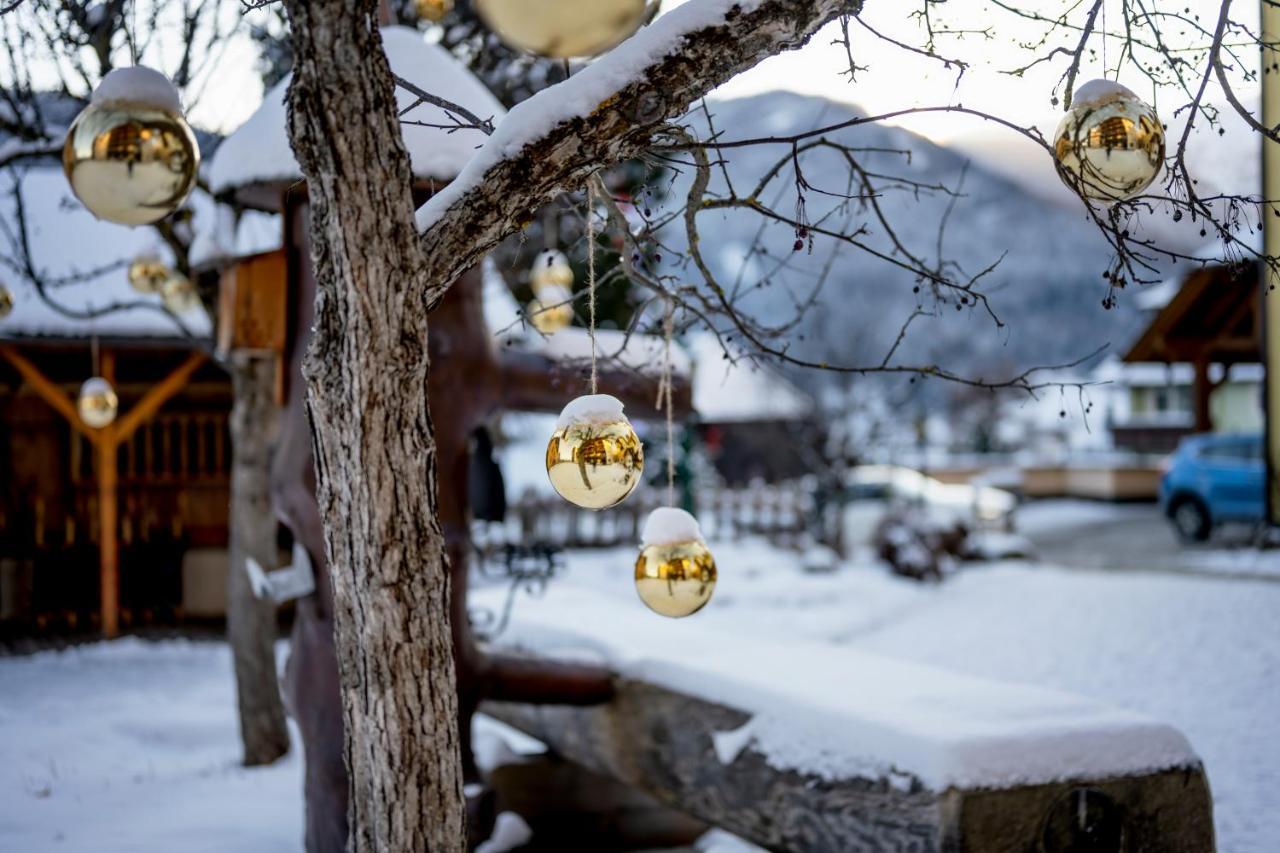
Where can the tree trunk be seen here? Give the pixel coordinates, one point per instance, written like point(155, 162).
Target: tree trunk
point(251, 622)
point(375, 450)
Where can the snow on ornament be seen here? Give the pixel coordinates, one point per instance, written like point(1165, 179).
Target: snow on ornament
point(563, 28)
point(147, 274)
point(97, 403)
point(675, 572)
point(179, 294)
point(550, 269)
point(1109, 145)
point(6, 302)
point(551, 310)
point(594, 459)
point(130, 156)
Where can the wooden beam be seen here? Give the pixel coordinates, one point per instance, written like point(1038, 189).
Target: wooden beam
point(156, 397)
point(46, 390)
point(108, 546)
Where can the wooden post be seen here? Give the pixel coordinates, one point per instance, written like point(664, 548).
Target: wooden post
point(1201, 391)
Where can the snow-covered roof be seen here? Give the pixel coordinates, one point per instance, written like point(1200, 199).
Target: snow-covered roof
point(259, 151)
point(1154, 374)
point(68, 242)
point(727, 391)
point(221, 236)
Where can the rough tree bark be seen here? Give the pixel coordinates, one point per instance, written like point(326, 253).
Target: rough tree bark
point(376, 458)
point(375, 452)
point(251, 622)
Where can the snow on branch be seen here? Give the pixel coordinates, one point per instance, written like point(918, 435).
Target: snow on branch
point(609, 111)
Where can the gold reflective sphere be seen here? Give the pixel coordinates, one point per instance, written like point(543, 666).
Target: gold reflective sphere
point(562, 28)
point(97, 403)
point(1113, 149)
point(595, 466)
point(551, 310)
point(676, 579)
point(179, 294)
point(6, 302)
point(129, 163)
point(434, 10)
point(147, 274)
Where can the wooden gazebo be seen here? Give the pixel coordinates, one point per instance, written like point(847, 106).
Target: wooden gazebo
point(1214, 318)
point(97, 525)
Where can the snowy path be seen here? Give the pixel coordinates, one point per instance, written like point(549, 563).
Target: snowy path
point(131, 747)
point(1137, 537)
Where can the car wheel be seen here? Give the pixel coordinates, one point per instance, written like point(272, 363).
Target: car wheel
point(1191, 519)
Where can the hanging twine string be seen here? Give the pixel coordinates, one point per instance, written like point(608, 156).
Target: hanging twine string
point(591, 278)
point(665, 398)
point(93, 354)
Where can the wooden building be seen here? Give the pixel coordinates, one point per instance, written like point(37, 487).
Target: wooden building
point(114, 528)
point(1211, 321)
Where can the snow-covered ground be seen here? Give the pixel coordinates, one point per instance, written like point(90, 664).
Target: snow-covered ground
point(131, 746)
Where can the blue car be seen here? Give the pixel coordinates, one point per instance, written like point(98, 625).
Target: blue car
point(1213, 478)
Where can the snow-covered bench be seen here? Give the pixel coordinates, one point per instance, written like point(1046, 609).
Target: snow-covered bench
point(808, 747)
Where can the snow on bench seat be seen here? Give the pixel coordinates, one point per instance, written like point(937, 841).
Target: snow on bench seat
point(738, 731)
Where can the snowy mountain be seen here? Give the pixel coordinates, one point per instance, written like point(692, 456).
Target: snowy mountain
point(1047, 286)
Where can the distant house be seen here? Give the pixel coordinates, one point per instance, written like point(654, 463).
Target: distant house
point(1197, 365)
point(755, 424)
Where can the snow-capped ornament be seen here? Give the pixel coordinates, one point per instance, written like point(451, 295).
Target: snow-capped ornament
point(1109, 144)
point(130, 156)
point(433, 10)
point(6, 302)
point(97, 403)
point(550, 269)
point(147, 274)
point(675, 572)
point(563, 28)
point(594, 459)
point(551, 310)
point(179, 294)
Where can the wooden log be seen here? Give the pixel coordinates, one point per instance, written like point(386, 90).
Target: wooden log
point(662, 742)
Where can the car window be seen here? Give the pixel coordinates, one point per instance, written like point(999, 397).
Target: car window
point(1239, 450)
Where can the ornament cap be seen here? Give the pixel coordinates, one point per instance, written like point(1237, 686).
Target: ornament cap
point(139, 85)
point(594, 409)
point(1095, 93)
point(668, 525)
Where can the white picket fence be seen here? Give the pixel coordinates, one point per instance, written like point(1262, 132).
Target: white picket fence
point(781, 513)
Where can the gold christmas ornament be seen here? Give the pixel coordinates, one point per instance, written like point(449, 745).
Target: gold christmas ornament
point(6, 302)
point(130, 156)
point(147, 274)
point(675, 572)
point(1109, 142)
point(434, 10)
point(550, 269)
point(563, 28)
point(179, 294)
point(594, 459)
point(551, 310)
point(97, 403)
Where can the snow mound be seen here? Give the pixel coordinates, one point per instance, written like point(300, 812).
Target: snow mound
point(1095, 93)
point(595, 409)
point(509, 832)
point(259, 151)
point(138, 85)
point(882, 718)
point(668, 525)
